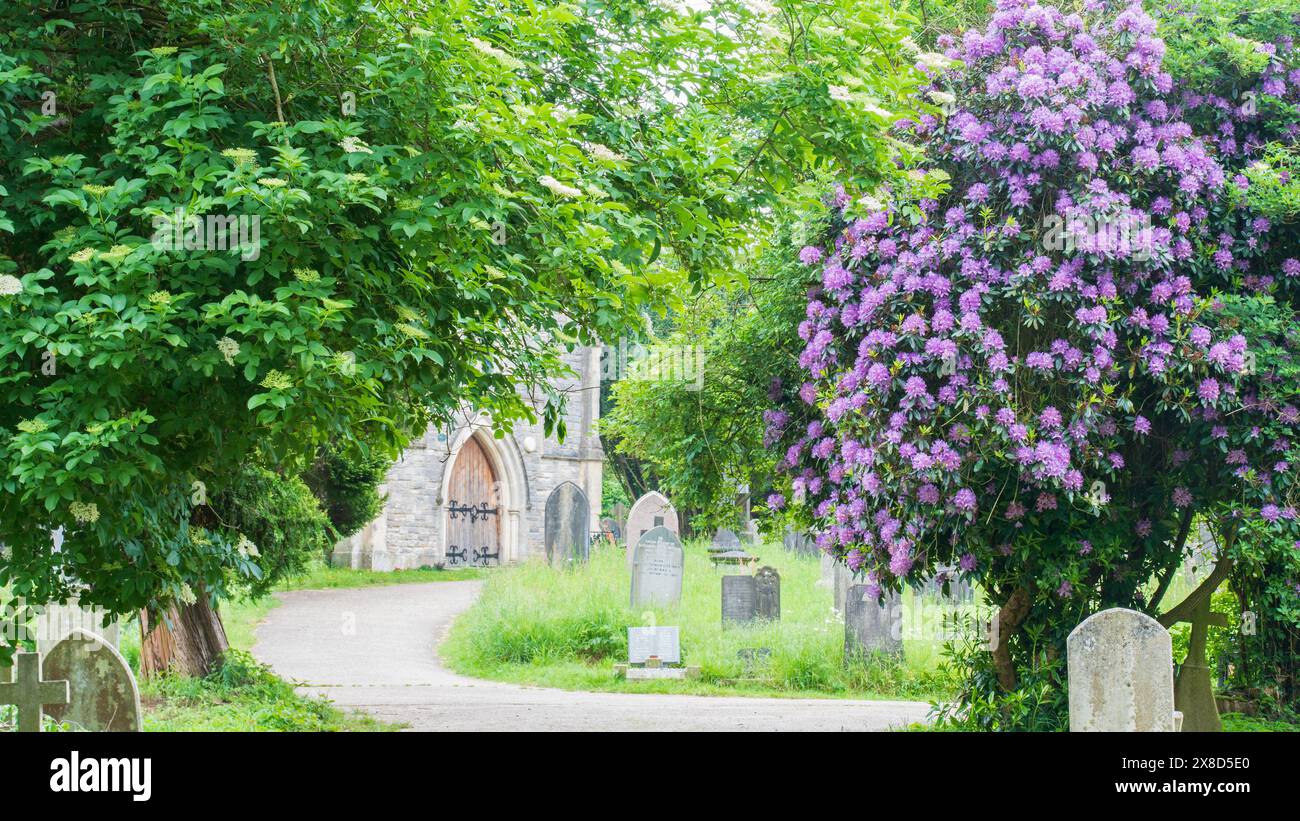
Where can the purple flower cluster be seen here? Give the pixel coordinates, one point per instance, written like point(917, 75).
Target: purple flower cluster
point(964, 373)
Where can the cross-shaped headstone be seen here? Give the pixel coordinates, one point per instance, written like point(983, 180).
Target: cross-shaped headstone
point(29, 694)
point(1194, 692)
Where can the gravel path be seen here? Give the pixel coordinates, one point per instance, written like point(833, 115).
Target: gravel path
point(375, 649)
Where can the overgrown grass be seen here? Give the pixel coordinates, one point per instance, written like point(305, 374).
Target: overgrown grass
point(566, 628)
point(243, 695)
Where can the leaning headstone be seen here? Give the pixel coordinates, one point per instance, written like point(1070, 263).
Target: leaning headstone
point(568, 517)
point(871, 625)
point(104, 697)
point(739, 599)
point(1193, 688)
point(767, 594)
point(1121, 675)
point(650, 511)
point(657, 570)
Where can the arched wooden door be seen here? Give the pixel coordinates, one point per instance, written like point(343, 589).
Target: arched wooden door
point(473, 509)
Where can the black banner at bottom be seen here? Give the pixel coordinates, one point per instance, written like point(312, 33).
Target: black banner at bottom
point(148, 772)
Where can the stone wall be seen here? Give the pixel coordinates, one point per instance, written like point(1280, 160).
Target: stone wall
point(411, 530)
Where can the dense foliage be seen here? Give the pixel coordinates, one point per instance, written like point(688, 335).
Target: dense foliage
point(281, 526)
point(704, 438)
point(347, 486)
point(1041, 375)
point(430, 219)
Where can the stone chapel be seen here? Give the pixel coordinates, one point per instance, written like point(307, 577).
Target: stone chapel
point(461, 497)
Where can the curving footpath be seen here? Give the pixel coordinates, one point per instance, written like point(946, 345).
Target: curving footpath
point(375, 649)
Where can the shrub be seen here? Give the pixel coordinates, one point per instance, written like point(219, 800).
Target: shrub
point(1030, 374)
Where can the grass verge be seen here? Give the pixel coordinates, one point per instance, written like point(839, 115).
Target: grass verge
point(538, 625)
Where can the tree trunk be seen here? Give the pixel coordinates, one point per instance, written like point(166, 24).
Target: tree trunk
point(1009, 619)
point(189, 640)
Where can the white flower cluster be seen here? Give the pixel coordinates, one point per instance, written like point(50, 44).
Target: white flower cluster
point(602, 152)
point(497, 54)
point(934, 61)
point(229, 349)
point(246, 547)
point(558, 188)
point(10, 285)
point(352, 145)
point(85, 513)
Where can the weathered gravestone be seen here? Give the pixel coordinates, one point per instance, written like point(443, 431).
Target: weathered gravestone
point(663, 643)
point(800, 543)
point(871, 625)
point(724, 540)
point(611, 530)
point(960, 590)
point(654, 653)
point(1193, 689)
point(31, 692)
point(842, 579)
point(650, 511)
point(767, 594)
point(739, 599)
point(828, 572)
point(568, 516)
point(657, 569)
point(1120, 674)
point(104, 697)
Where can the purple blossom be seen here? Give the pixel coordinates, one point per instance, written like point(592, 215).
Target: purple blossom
point(1208, 390)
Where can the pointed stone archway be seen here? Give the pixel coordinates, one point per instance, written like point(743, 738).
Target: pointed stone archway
point(490, 474)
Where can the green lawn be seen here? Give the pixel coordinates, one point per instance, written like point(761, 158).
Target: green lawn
point(244, 695)
point(566, 628)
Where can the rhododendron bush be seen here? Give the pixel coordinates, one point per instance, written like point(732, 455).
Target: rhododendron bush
point(1041, 376)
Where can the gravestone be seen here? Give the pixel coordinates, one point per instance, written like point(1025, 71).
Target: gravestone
point(31, 692)
point(657, 569)
point(568, 516)
point(103, 693)
point(611, 530)
point(739, 599)
point(842, 579)
point(724, 540)
point(1193, 688)
point(661, 642)
point(828, 573)
point(871, 625)
point(1120, 674)
point(767, 594)
point(799, 543)
point(650, 511)
point(960, 590)
point(751, 657)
